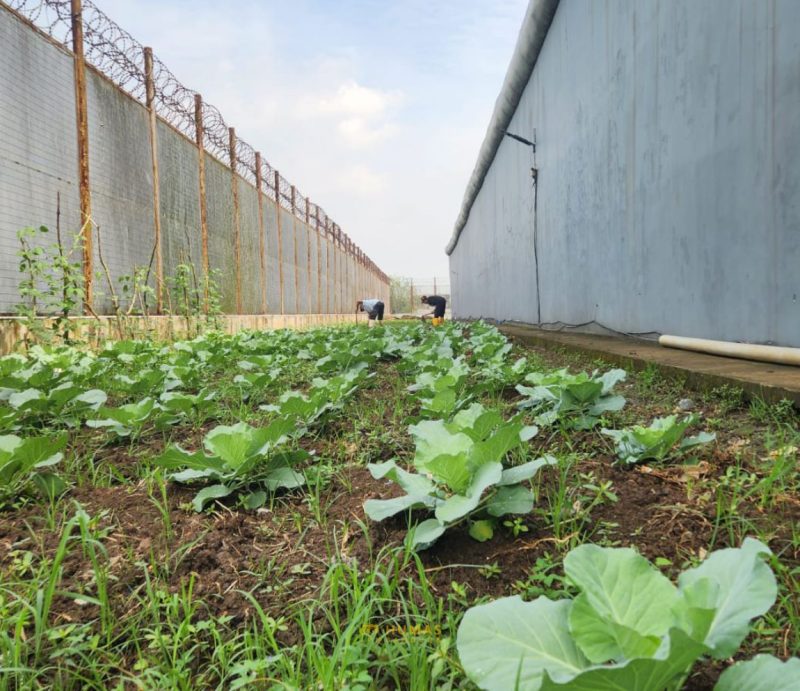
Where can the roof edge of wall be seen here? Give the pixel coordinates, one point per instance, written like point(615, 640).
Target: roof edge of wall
point(535, 26)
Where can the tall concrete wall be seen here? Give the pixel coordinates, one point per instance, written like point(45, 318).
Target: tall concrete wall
point(39, 159)
point(669, 190)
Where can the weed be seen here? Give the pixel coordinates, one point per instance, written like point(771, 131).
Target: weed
point(782, 412)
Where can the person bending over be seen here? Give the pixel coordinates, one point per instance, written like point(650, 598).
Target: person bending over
point(439, 305)
point(374, 309)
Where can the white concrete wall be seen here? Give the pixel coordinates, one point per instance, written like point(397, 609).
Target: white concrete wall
point(669, 188)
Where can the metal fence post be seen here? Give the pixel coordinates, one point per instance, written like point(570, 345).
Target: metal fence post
point(337, 298)
point(201, 174)
point(262, 248)
point(328, 283)
point(150, 95)
point(296, 260)
point(331, 227)
point(277, 178)
point(343, 271)
point(82, 120)
point(236, 239)
point(359, 295)
point(349, 256)
point(308, 256)
point(319, 260)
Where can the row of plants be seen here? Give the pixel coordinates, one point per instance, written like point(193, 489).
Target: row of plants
point(464, 465)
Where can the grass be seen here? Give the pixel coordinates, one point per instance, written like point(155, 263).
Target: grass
point(118, 584)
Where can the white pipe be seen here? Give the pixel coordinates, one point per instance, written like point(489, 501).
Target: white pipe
point(747, 351)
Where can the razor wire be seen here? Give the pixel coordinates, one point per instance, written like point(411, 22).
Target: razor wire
point(285, 193)
point(54, 17)
point(300, 205)
point(173, 101)
point(268, 177)
point(246, 161)
point(113, 51)
point(120, 57)
point(216, 135)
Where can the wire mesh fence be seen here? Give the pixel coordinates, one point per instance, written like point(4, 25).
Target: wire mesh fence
point(119, 56)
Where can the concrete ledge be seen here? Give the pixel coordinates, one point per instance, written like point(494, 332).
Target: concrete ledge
point(698, 370)
point(95, 331)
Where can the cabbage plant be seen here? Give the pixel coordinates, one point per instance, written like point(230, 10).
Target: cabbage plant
point(576, 400)
point(125, 420)
point(629, 628)
point(238, 459)
point(442, 391)
point(460, 475)
point(26, 463)
point(762, 673)
point(324, 396)
point(663, 438)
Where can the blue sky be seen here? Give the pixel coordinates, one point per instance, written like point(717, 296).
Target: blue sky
point(375, 109)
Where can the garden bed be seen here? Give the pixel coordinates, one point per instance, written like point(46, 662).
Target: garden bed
point(304, 590)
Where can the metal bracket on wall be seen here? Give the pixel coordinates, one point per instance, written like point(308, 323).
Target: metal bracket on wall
point(527, 142)
point(532, 144)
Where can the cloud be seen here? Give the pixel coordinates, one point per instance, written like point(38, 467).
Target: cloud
point(360, 101)
point(362, 181)
point(362, 114)
point(359, 132)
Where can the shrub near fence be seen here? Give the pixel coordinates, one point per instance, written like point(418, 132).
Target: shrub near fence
point(155, 170)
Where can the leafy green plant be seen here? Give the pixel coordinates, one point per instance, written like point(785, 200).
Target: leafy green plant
point(325, 396)
point(51, 284)
point(663, 438)
point(177, 405)
point(576, 400)
point(496, 373)
point(461, 475)
point(126, 420)
point(239, 459)
point(516, 526)
point(629, 628)
point(64, 403)
point(26, 462)
point(442, 391)
point(762, 673)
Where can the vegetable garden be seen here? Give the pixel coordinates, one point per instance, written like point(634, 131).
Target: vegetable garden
point(401, 507)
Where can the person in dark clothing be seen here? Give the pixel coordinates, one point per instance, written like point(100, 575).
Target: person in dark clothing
point(439, 305)
point(374, 309)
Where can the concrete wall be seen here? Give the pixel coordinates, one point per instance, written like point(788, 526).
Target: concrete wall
point(669, 189)
point(39, 158)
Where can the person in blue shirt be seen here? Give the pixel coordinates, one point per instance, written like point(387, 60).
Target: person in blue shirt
point(374, 309)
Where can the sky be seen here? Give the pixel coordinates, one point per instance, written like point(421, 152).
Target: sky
point(375, 109)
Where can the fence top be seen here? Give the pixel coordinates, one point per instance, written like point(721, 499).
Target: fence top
point(120, 57)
